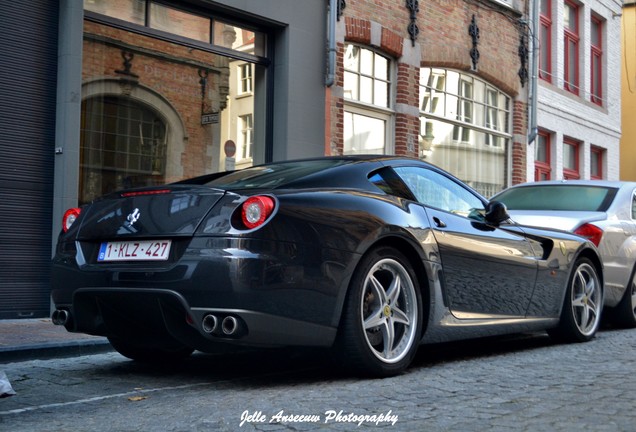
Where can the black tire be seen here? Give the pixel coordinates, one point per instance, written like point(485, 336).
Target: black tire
point(150, 355)
point(581, 313)
point(624, 314)
point(381, 324)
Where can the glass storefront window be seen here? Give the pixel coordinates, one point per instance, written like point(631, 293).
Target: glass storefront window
point(178, 22)
point(161, 110)
point(465, 127)
point(133, 11)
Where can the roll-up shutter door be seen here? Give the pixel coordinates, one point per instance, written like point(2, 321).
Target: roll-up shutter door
point(28, 65)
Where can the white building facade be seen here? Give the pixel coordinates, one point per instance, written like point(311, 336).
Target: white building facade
point(578, 112)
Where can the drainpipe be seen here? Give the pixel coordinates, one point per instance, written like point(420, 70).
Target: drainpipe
point(534, 75)
point(331, 41)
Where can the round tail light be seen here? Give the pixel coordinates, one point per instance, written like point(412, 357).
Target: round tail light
point(255, 211)
point(69, 217)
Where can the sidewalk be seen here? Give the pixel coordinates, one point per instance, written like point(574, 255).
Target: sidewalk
point(28, 339)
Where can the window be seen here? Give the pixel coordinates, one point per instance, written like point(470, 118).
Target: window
point(571, 47)
point(542, 167)
point(246, 134)
point(596, 75)
point(545, 40)
point(571, 159)
point(596, 163)
point(563, 196)
point(436, 190)
point(245, 78)
point(122, 145)
point(364, 134)
point(465, 127)
point(366, 77)
point(367, 90)
point(162, 88)
point(181, 23)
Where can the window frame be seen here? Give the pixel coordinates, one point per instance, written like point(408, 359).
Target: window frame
point(386, 117)
point(545, 22)
point(572, 173)
point(246, 134)
point(245, 80)
point(357, 107)
point(543, 167)
point(369, 76)
point(571, 38)
point(595, 150)
point(596, 62)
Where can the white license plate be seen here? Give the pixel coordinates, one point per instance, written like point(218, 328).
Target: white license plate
point(141, 250)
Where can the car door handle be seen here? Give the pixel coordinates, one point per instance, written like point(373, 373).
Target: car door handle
point(438, 222)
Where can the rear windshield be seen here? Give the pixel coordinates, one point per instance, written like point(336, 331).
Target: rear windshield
point(558, 197)
point(272, 175)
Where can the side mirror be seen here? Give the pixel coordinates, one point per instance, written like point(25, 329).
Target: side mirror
point(496, 212)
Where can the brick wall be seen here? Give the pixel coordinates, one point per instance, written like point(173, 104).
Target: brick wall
point(443, 41)
point(170, 70)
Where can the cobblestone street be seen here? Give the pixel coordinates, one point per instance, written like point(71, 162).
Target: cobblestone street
point(525, 383)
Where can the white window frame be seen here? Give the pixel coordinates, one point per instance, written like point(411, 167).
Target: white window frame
point(385, 116)
point(376, 112)
point(246, 136)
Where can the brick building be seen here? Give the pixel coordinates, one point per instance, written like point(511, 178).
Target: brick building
point(105, 94)
point(453, 88)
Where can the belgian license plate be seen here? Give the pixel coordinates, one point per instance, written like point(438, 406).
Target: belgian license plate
point(141, 250)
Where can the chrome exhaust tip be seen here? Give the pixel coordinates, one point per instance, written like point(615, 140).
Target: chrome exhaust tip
point(229, 325)
point(60, 317)
point(210, 323)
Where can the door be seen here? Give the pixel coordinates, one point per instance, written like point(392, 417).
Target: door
point(488, 271)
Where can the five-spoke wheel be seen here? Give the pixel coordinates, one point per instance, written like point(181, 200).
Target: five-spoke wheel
point(581, 312)
point(383, 315)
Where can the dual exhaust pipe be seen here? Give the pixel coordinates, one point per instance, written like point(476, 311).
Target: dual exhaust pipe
point(223, 326)
point(60, 317)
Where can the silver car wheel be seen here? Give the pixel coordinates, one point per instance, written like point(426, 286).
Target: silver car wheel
point(389, 311)
point(586, 299)
point(624, 315)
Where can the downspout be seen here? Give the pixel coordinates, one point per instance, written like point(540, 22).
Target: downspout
point(331, 42)
point(534, 20)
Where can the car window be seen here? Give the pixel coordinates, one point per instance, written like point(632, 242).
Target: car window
point(436, 190)
point(633, 206)
point(558, 197)
point(272, 175)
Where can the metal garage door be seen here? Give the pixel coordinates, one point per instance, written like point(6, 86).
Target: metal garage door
point(28, 43)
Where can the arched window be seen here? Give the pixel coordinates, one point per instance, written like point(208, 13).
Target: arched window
point(465, 127)
point(122, 144)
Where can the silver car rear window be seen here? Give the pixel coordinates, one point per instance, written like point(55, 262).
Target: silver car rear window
point(558, 197)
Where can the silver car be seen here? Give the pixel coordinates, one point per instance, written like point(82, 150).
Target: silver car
point(604, 212)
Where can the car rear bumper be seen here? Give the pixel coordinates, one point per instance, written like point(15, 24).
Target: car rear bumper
point(158, 317)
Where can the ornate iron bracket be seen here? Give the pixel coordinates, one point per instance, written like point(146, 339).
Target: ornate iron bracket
point(473, 31)
point(127, 63)
point(413, 29)
point(523, 58)
point(342, 4)
point(203, 80)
